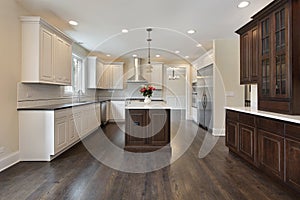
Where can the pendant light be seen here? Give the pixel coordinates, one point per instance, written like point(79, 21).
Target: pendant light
point(149, 66)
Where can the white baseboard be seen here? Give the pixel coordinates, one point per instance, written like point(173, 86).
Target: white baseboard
point(9, 161)
point(218, 132)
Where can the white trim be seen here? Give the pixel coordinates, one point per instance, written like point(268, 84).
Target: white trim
point(218, 132)
point(9, 161)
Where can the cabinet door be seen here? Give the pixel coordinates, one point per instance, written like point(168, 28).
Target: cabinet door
point(61, 133)
point(84, 121)
point(158, 131)
point(292, 149)
point(73, 129)
point(117, 76)
point(157, 76)
point(99, 75)
point(245, 58)
point(136, 124)
point(67, 63)
point(232, 135)
point(247, 144)
point(46, 56)
point(254, 59)
point(117, 110)
point(62, 61)
point(106, 77)
point(281, 53)
point(270, 153)
point(265, 62)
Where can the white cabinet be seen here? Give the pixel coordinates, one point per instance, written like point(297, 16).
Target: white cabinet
point(117, 111)
point(155, 77)
point(44, 134)
point(46, 53)
point(95, 71)
point(104, 75)
point(112, 77)
point(60, 131)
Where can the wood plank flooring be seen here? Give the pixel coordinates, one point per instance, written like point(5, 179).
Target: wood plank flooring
point(77, 175)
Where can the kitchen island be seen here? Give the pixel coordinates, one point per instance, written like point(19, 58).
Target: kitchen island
point(147, 127)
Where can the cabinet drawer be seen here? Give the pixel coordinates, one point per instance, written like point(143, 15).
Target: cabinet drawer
point(270, 125)
point(232, 115)
point(292, 131)
point(247, 119)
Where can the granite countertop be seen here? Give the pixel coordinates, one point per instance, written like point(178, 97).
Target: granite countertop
point(63, 105)
point(254, 111)
point(152, 105)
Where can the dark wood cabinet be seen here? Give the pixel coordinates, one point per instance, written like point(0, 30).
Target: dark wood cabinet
point(247, 143)
point(270, 156)
point(232, 130)
point(292, 154)
point(232, 135)
point(276, 51)
point(249, 53)
point(147, 129)
point(269, 144)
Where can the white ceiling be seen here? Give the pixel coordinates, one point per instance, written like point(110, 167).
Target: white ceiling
point(101, 22)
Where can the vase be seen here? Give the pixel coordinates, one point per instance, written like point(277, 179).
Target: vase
point(147, 100)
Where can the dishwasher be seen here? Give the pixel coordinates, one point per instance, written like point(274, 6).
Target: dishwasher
point(103, 107)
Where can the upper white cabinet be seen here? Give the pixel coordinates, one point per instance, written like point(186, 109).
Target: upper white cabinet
point(46, 53)
point(95, 70)
point(104, 75)
point(155, 77)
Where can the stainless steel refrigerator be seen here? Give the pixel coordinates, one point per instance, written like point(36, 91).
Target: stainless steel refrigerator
point(205, 97)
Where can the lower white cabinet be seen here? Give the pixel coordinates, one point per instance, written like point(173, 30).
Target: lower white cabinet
point(44, 134)
point(117, 111)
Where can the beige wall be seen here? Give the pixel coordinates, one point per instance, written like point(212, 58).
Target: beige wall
point(10, 56)
point(227, 89)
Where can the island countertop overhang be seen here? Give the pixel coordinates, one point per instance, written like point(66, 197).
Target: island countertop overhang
point(142, 105)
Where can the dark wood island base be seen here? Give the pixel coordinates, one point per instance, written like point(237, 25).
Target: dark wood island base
point(147, 129)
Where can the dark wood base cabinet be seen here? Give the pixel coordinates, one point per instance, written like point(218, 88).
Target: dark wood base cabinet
point(271, 145)
point(147, 129)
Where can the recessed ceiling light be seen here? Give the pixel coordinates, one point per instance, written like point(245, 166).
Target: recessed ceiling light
point(243, 4)
point(72, 22)
point(124, 30)
point(199, 45)
point(192, 31)
point(157, 56)
point(134, 55)
point(186, 56)
point(177, 51)
point(108, 55)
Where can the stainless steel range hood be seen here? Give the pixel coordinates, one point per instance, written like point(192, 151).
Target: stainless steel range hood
point(137, 77)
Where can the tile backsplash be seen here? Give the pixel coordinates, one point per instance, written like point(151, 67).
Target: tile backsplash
point(30, 94)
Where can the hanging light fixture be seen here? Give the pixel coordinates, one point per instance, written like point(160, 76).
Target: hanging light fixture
point(173, 76)
point(149, 66)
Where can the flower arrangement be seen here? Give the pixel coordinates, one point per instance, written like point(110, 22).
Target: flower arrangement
point(147, 90)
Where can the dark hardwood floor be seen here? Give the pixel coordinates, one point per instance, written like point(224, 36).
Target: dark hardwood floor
point(77, 175)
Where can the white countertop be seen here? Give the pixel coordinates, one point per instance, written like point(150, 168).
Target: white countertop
point(152, 105)
point(254, 111)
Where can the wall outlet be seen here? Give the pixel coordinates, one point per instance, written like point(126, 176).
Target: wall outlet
point(2, 150)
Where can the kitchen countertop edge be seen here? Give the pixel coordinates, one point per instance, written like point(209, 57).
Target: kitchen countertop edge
point(255, 111)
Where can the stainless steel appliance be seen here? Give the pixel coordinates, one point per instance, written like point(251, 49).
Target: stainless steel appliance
point(205, 97)
point(103, 107)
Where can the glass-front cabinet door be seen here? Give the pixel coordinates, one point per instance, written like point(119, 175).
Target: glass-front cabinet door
point(274, 55)
point(281, 53)
point(265, 57)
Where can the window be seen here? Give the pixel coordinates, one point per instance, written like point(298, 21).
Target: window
point(77, 76)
